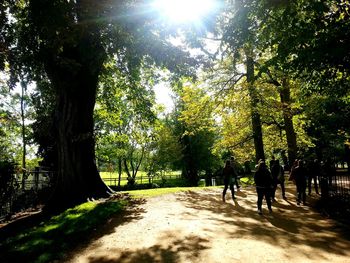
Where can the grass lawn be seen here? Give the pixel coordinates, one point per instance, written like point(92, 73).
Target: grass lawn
point(111, 179)
point(161, 191)
point(50, 239)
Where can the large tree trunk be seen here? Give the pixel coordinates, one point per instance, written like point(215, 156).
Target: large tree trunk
point(288, 121)
point(256, 122)
point(78, 179)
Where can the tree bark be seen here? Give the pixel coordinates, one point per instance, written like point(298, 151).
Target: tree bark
point(288, 121)
point(75, 84)
point(256, 122)
point(24, 141)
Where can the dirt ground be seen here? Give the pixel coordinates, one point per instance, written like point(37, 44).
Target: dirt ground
point(196, 226)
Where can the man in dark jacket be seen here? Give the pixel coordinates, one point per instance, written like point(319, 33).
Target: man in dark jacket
point(264, 184)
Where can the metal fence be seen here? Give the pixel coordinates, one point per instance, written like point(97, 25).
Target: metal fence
point(338, 185)
point(142, 179)
point(26, 191)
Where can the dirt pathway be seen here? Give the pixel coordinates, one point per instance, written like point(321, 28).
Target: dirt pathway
point(196, 226)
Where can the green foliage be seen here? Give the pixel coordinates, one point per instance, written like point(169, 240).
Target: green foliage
point(312, 38)
point(44, 127)
point(165, 151)
point(52, 238)
point(327, 124)
point(11, 141)
point(124, 116)
point(194, 125)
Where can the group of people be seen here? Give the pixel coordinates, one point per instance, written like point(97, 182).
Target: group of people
point(267, 180)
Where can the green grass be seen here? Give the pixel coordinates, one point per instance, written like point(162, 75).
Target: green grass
point(111, 179)
point(51, 239)
point(248, 180)
point(162, 191)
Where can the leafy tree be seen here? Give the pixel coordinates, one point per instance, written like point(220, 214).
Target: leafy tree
point(310, 39)
point(44, 126)
point(195, 128)
point(125, 118)
point(68, 42)
point(166, 150)
point(16, 112)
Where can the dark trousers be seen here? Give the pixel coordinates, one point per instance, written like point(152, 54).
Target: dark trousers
point(301, 193)
point(309, 183)
point(275, 187)
point(262, 191)
point(231, 188)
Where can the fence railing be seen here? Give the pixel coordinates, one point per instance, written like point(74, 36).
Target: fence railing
point(24, 191)
point(339, 185)
point(141, 179)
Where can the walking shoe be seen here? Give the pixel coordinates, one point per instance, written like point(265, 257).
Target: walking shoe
point(223, 199)
point(259, 212)
point(270, 210)
point(233, 197)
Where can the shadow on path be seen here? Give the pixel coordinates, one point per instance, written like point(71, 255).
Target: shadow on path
point(191, 245)
point(287, 226)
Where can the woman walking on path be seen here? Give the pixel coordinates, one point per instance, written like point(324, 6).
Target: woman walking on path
point(229, 175)
point(264, 185)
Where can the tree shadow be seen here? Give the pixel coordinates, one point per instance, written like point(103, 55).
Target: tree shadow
point(288, 225)
point(190, 246)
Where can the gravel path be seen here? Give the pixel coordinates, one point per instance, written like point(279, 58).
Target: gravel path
point(196, 226)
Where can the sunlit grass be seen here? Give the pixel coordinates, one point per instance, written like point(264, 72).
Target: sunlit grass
point(247, 180)
point(49, 240)
point(111, 178)
point(162, 191)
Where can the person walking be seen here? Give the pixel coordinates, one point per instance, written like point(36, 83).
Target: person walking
point(277, 173)
point(235, 177)
point(298, 174)
point(314, 173)
point(228, 173)
point(264, 184)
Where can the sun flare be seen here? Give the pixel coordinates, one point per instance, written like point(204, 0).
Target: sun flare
point(184, 11)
